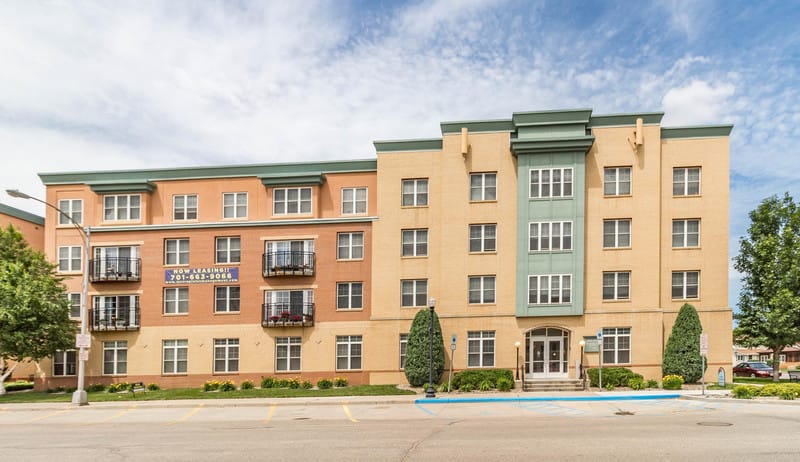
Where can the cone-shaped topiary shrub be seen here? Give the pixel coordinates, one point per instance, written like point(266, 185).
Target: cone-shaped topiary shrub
point(682, 355)
point(417, 353)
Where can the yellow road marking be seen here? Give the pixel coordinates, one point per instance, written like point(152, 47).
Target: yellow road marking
point(42, 417)
point(347, 411)
point(189, 414)
point(271, 413)
point(118, 414)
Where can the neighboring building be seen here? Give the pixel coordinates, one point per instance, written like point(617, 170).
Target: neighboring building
point(789, 357)
point(541, 229)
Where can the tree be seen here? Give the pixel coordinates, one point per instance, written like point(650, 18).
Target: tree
point(769, 260)
point(682, 355)
point(34, 310)
point(418, 352)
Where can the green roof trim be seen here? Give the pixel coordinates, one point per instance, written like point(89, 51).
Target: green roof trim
point(612, 120)
point(292, 180)
point(21, 214)
point(233, 224)
point(475, 126)
point(701, 131)
point(230, 171)
point(551, 145)
point(557, 117)
point(422, 144)
point(122, 187)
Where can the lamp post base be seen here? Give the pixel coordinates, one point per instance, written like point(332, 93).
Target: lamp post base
point(79, 398)
point(430, 392)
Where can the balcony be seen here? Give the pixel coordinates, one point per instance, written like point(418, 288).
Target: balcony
point(288, 315)
point(115, 269)
point(115, 319)
point(288, 263)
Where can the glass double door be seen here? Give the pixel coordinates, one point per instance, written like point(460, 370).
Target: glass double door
point(547, 357)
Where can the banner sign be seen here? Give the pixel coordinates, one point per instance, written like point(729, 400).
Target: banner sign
point(200, 275)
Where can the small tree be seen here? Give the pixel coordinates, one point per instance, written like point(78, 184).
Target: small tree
point(34, 311)
point(682, 355)
point(417, 350)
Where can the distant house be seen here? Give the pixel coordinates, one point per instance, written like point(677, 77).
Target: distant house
point(790, 357)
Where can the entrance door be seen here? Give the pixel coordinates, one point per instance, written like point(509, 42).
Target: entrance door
point(547, 357)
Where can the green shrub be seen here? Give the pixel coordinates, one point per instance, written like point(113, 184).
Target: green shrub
point(744, 391)
point(672, 382)
point(652, 383)
point(485, 385)
point(211, 385)
point(444, 387)
point(617, 376)
point(780, 390)
point(247, 385)
point(293, 383)
point(153, 387)
point(682, 353)
point(20, 385)
point(118, 387)
point(324, 384)
point(267, 382)
point(281, 383)
point(227, 385)
point(95, 387)
point(475, 377)
point(339, 382)
point(609, 386)
point(416, 366)
point(788, 394)
point(637, 383)
point(306, 385)
point(467, 387)
point(503, 384)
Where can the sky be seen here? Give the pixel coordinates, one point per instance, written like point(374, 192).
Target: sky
point(151, 84)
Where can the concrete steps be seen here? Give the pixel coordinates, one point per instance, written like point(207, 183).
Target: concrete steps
point(553, 385)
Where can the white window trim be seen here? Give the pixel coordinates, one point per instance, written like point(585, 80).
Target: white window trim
point(229, 345)
point(415, 293)
point(349, 306)
point(549, 225)
point(482, 340)
point(350, 246)
point(299, 201)
point(482, 176)
point(686, 181)
point(549, 289)
point(64, 354)
point(403, 349)
point(685, 286)
point(227, 250)
point(617, 181)
point(71, 269)
point(72, 304)
point(175, 347)
point(236, 205)
point(348, 340)
point(482, 239)
point(69, 210)
point(551, 196)
point(616, 222)
point(128, 208)
point(177, 251)
point(177, 301)
point(415, 241)
point(289, 342)
point(227, 300)
point(616, 335)
point(114, 346)
point(483, 290)
point(616, 286)
point(685, 234)
point(185, 209)
point(355, 201)
point(416, 192)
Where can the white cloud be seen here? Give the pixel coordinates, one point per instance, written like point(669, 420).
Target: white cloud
point(699, 102)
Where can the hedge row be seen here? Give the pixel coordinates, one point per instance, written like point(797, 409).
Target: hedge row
point(788, 391)
point(472, 379)
point(614, 376)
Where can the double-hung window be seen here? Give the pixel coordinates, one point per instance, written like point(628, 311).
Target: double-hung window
point(350, 246)
point(226, 355)
point(483, 186)
point(74, 304)
point(414, 292)
point(122, 207)
point(685, 285)
point(483, 238)
point(234, 205)
point(226, 299)
point(291, 201)
point(184, 207)
point(175, 359)
point(686, 181)
point(349, 295)
point(550, 236)
point(70, 208)
point(176, 300)
point(119, 310)
point(616, 285)
point(616, 345)
point(551, 182)
point(481, 289)
point(480, 348)
point(228, 250)
point(354, 201)
point(550, 289)
point(686, 233)
point(616, 181)
point(64, 363)
point(115, 357)
point(287, 354)
point(403, 346)
point(348, 352)
point(176, 251)
point(616, 233)
point(415, 192)
point(69, 258)
point(415, 242)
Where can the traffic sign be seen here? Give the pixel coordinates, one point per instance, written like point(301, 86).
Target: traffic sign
point(704, 344)
point(453, 342)
point(83, 341)
point(599, 335)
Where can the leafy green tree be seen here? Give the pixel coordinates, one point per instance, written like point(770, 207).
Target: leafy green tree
point(417, 350)
point(682, 354)
point(34, 311)
point(769, 260)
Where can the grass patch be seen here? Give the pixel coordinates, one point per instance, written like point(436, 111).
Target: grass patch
point(197, 393)
point(715, 386)
point(757, 380)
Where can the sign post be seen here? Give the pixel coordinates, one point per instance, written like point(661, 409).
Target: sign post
point(703, 354)
point(600, 369)
point(452, 354)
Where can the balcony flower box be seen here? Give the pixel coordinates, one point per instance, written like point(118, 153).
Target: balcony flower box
point(296, 318)
point(285, 315)
point(274, 319)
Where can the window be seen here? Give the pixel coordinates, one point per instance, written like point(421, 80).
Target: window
point(184, 207)
point(616, 233)
point(64, 363)
point(287, 354)
point(115, 262)
point(69, 258)
point(292, 303)
point(483, 187)
point(226, 299)
point(228, 250)
point(549, 289)
point(616, 285)
point(403, 346)
point(176, 251)
point(71, 208)
point(548, 236)
point(481, 289)
point(686, 181)
point(122, 310)
point(349, 295)
point(685, 284)
point(350, 246)
point(234, 205)
point(617, 181)
point(348, 352)
point(415, 242)
point(415, 193)
point(74, 304)
point(685, 233)
point(616, 345)
point(115, 357)
point(551, 182)
point(414, 292)
point(483, 238)
point(124, 207)
point(226, 355)
point(291, 200)
point(480, 348)
point(176, 300)
point(176, 354)
point(354, 200)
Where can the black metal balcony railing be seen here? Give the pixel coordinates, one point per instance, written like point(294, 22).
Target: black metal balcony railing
point(288, 314)
point(288, 263)
point(124, 318)
point(115, 269)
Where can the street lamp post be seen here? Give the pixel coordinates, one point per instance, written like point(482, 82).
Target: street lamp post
point(516, 344)
point(430, 392)
point(79, 397)
point(582, 343)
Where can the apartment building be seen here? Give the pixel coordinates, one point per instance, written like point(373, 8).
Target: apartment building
point(535, 235)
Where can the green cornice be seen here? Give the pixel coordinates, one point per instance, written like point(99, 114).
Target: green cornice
point(231, 171)
point(21, 214)
point(292, 180)
point(552, 145)
point(422, 144)
point(704, 131)
point(233, 224)
point(475, 126)
point(557, 117)
point(611, 120)
point(122, 187)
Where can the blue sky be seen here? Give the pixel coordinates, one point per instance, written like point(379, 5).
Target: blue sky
point(147, 84)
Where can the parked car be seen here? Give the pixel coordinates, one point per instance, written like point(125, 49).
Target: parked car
point(752, 369)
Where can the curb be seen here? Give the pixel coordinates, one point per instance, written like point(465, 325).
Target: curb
point(729, 399)
point(547, 398)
